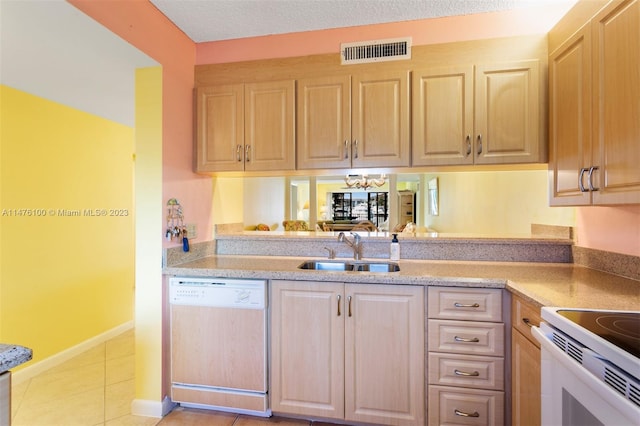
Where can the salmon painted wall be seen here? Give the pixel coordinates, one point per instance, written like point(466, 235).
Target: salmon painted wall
point(63, 260)
point(142, 25)
point(613, 229)
point(534, 20)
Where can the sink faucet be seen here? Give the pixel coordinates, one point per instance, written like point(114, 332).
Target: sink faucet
point(356, 245)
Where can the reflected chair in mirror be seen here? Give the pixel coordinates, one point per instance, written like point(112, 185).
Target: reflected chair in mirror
point(365, 225)
point(295, 225)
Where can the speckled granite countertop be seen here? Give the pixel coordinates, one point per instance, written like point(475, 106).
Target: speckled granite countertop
point(546, 284)
point(12, 356)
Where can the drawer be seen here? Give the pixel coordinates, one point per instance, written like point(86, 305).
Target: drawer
point(523, 316)
point(464, 337)
point(475, 304)
point(458, 406)
point(470, 371)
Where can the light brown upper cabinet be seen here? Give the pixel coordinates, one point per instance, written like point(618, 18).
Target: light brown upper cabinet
point(246, 127)
point(594, 97)
point(353, 121)
point(483, 114)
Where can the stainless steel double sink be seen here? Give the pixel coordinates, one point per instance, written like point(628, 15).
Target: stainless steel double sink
point(350, 265)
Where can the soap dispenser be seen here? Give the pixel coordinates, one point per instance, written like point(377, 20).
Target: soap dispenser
point(394, 250)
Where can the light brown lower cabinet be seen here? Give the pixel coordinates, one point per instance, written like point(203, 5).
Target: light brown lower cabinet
point(466, 336)
point(525, 364)
point(353, 352)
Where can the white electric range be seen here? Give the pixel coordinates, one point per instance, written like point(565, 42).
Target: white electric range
point(590, 366)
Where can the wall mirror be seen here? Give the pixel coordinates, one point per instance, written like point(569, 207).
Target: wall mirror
point(330, 203)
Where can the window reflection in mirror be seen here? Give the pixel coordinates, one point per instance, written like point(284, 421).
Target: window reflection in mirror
point(336, 205)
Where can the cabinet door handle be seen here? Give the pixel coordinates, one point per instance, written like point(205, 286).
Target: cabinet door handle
point(339, 312)
point(581, 179)
point(590, 178)
point(465, 374)
point(479, 144)
point(468, 139)
point(466, 339)
point(346, 149)
point(355, 152)
point(465, 305)
point(528, 323)
point(349, 303)
point(239, 153)
point(247, 150)
point(463, 414)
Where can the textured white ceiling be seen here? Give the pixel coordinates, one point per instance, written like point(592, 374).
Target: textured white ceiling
point(211, 20)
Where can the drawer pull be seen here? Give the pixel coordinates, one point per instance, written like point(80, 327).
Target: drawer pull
point(590, 178)
point(466, 339)
point(239, 153)
point(528, 322)
point(463, 414)
point(339, 313)
point(581, 179)
point(465, 374)
point(466, 305)
point(349, 301)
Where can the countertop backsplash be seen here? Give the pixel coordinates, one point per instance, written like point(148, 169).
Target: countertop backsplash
point(549, 244)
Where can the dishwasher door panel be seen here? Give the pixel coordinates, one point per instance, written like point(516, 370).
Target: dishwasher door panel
point(219, 347)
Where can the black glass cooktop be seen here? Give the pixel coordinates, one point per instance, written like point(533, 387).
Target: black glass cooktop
point(618, 328)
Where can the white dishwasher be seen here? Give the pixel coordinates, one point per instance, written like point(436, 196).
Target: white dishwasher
point(219, 344)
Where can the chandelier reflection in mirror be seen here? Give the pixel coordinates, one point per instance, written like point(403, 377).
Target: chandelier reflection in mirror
point(364, 182)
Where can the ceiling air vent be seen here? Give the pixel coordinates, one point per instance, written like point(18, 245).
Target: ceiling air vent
point(376, 51)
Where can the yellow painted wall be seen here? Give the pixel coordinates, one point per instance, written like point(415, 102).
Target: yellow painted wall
point(494, 202)
point(64, 278)
point(149, 228)
point(228, 200)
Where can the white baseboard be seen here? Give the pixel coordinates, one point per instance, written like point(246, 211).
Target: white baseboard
point(147, 408)
point(34, 369)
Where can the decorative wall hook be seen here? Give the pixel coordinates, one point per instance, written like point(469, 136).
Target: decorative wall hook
point(175, 223)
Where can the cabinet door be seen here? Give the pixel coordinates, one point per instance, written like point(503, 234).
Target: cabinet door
point(507, 113)
point(380, 120)
point(616, 103)
point(198, 358)
point(269, 126)
point(524, 316)
point(570, 119)
point(442, 109)
point(307, 348)
point(525, 381)
point(220, 128)
point(324, 123)
point(384, 354)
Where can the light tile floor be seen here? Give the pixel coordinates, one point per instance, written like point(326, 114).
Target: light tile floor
point(96, 389)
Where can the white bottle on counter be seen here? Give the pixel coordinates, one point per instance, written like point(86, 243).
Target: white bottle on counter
point(394, 250)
